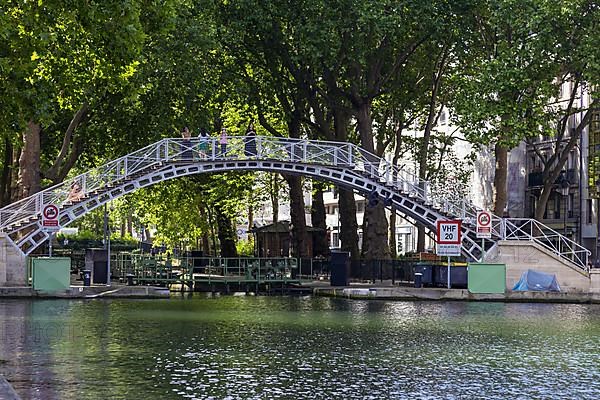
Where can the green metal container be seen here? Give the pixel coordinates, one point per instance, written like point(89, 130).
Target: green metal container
point(486, 278)
point(51, 274)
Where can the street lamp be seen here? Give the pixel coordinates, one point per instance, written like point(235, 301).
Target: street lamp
point(563, 188)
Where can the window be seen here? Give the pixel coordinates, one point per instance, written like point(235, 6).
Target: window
point(443, 118)
point(532, 203)
point(557, 206)
point(588, 217)
point(570, 204)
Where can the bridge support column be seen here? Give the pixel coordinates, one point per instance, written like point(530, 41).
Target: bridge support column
point(12, 264)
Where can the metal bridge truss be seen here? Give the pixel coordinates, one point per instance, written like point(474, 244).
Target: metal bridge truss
point(342, 163)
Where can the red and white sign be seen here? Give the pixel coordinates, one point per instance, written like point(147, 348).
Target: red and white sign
point(449, 238)
point(484, 225)
point(50, 214)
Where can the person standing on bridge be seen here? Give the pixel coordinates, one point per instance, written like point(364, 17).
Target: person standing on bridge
point(250, 141)
point(75, 192)
point(186, 149)
point(186, 134)
point(223, 142)
point(203, 143)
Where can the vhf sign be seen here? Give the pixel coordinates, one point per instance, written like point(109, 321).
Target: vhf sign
point(448, 238)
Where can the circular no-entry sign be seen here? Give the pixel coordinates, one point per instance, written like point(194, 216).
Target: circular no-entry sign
point(484, 225)
point(50, 217)
point(484, 219)
point(50, 211)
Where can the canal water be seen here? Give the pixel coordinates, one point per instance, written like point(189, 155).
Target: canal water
point(298, 348)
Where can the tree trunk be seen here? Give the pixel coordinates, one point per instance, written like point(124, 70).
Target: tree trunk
point(424, 145)
point(275, 196)
point(70, 150)
point(375, 226)
point(392, 235)
point(5, 178)
point(29, 162)
point(348, 233)
point(373, 234)
point(250, 217)
point(130, 223)
point(420, 237)
point(226, 234)
point(348, 225)
point(500, 175)
point(205, 244)
point(298, 218)
point(320, 243)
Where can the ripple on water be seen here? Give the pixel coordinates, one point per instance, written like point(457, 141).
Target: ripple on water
point(257, 348)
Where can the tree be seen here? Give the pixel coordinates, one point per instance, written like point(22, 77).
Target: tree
point(515, 59)
point(61, 60)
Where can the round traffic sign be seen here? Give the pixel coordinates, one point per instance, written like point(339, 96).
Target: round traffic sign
point(484, 219)
point(50, 211)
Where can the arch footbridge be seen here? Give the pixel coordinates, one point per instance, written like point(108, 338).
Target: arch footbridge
point(342, 163)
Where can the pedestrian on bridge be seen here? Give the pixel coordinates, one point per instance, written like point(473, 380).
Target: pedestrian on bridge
point(250, 141)
point(186, 150)
point(75, 192)
point(223, 142)
point(203, 143)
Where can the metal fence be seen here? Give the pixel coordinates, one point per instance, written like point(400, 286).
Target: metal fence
point(159, 269)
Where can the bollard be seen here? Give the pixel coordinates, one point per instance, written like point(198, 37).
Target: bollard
point(87, 277)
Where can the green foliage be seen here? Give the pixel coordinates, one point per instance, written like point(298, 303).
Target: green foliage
point(515, 63)
point(245, 248)
point(145, 68)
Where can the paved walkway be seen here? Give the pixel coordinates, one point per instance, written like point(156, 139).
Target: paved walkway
point(410, 293)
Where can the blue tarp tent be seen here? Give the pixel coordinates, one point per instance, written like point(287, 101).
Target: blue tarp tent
point(535, 280)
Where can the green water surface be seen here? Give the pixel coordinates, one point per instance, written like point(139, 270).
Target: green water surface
point(298, 348)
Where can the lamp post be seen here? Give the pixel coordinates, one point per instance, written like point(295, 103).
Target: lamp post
point(563, 188)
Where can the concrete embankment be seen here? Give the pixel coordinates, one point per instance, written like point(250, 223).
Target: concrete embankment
point(408, 293)
point(90, 292)
point(6, 390)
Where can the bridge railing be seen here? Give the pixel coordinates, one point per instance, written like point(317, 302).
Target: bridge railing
point(94, 179)
point(448, 198)
point(527, 229)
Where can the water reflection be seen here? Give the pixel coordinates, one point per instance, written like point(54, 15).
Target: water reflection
point(286, 347)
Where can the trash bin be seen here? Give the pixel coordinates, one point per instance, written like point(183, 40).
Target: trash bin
point(340, 268)
point(87, 277)
point(129, 279)
point(426, 271)
point(418, 280)
point(458, 276)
